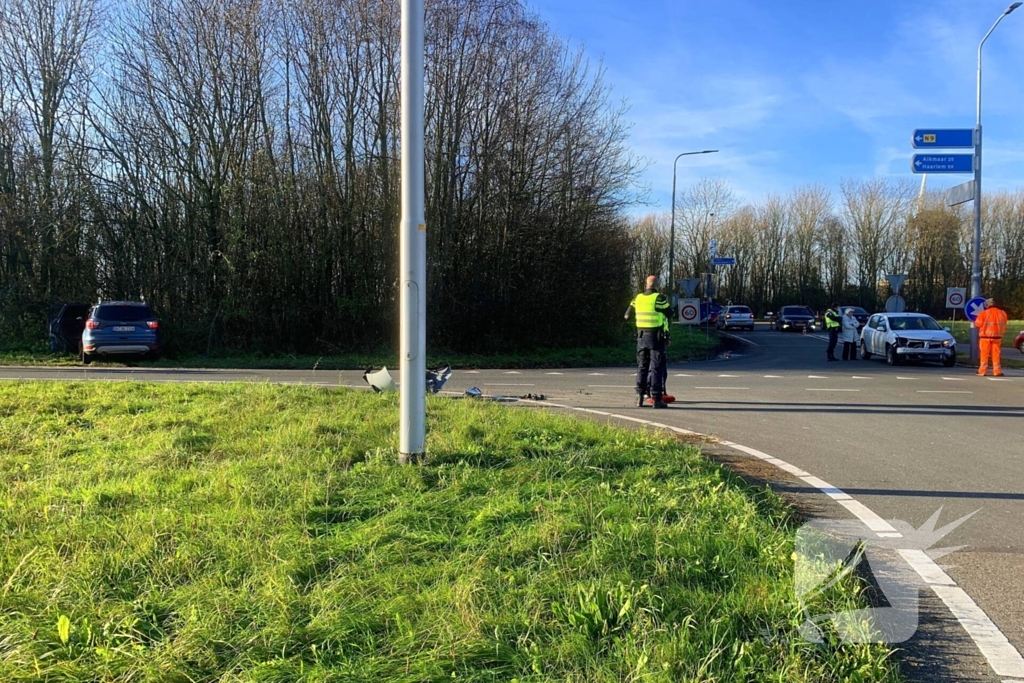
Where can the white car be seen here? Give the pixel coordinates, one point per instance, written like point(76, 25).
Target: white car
point(907, 336)
point(735, 316)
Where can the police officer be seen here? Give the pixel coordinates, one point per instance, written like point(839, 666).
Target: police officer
point(652, 311)
point(833, 323)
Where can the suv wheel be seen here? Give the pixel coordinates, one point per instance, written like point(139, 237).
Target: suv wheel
point(864, 353)
point(890, 355)
point(949, 362)
point(83, 357)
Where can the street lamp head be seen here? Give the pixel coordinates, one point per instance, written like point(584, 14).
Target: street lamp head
point(1012, 7)
point(712, 151)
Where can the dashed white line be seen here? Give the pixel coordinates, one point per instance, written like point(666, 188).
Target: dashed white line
point(953, 379)
point(728, 375)
point(944, 392)
point(912, 379)
point(854, 390)
point(773, 376)
point(726, 388)
point(513, 372)
point(554, 373)
point(595, 374)
point(471, 372)
point(816, 377)
point(859, 377)
point(681, 375)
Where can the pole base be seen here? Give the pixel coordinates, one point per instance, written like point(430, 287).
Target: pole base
point(411, 458)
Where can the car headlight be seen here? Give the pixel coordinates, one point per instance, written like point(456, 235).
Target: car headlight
point(900, 341)
point(947, 343)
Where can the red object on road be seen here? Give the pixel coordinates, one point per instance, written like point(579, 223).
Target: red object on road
point(667, 398)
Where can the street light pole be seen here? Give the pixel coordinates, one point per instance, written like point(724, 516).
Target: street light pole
point(413, 247)
point(672, 227)
point(976, 261)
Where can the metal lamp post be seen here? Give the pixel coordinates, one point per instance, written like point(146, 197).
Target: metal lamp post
point(413, 249)
point(976, 265)
point(672, 227)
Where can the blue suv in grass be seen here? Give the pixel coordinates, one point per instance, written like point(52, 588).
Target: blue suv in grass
point(120, 329)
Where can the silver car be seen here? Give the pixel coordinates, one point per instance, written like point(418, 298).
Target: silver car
point(900, 337)
point(735, 316)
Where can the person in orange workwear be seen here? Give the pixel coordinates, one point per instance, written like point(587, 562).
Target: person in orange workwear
point(991, 324)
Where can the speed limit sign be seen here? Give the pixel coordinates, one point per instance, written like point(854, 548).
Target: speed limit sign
point(956, 297)
point(689, 311)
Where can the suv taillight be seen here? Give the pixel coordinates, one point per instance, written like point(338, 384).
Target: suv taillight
point(153, 324)
point(92, 324)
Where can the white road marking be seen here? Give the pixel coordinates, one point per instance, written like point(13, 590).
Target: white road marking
point(859, 377)
point(998, 379)
point(913, 379)
point(554, 373)
point(681, 375)
point(725, 388)
point(513, 372)
point(611, 386)
point(816, 377)
point(595, 374)
point(728, 375)
point(945, 392)
point(773, 376)
point(953, 379)
point(926, 567)
point(832, 390)
point(471, 372)
point(1001, 655)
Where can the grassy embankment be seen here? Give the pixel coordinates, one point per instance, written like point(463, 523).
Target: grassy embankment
point(962, 332)
point(181, 533)
point(687, 344)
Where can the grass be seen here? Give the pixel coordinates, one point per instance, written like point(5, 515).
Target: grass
point(186, 533)
point(687, 345)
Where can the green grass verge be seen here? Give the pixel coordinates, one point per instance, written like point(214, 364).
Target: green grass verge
point(687, 345)
point(182, 533)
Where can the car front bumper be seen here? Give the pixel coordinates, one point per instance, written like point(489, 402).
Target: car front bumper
point(925, 354)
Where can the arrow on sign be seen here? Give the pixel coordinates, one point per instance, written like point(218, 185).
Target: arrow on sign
point(974, 307)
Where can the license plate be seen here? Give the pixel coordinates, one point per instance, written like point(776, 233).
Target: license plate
point(124, 328)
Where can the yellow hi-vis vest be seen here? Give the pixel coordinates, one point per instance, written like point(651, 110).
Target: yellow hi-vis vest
point(830, 322)
point(647, 317)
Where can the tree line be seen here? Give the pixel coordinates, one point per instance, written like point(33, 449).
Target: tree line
point(816, 247)
point(236, 163)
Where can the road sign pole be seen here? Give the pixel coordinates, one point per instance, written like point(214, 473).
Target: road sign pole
point(976, 260)
point(413, 262)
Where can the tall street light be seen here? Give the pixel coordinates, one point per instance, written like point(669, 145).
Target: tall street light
point(976, 266)
point(672, 227)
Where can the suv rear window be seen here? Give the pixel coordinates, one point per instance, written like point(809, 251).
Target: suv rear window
point(122, 312)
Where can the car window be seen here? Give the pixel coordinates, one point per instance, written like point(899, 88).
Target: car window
point(873, 323)
point(796, 310)
point(739, 309)
point(122, 312)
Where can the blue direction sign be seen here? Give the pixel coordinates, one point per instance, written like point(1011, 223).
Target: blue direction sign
point(973, 307)
point(942, 163)
point(723, 261)
point(943, 138)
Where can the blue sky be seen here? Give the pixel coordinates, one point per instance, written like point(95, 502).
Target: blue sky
point(795, 91)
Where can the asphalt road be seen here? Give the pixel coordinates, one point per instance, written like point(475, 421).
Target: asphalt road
point(904, 441)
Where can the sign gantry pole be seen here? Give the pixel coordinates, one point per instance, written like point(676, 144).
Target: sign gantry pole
point(413, 259)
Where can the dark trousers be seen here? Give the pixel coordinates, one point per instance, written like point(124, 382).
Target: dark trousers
point(650, 363)
point(833, 339)
point(849, 350)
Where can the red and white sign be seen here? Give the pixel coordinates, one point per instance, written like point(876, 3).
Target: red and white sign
point(689, 311)
point(956, 297)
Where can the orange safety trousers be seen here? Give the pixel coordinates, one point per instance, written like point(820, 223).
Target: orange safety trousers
point(991, 348)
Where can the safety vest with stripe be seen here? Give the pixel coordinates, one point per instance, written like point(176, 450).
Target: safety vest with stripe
point(647, 315)
point(832, 320)
point(991, 323)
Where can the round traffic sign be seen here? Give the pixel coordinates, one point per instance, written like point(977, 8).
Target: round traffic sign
point(956, 300)
point(688, 313)
point(973, 307)
point(895, 304)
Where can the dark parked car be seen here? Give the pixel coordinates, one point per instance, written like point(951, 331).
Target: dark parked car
point(66, 324)
point(795, 318)
point(122, 329)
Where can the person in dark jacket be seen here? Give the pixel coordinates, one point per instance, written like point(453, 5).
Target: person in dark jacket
point(833, 325)
point(651, 309)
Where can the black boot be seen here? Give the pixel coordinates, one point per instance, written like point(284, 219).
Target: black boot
point(658, 403)
point(640, 400)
